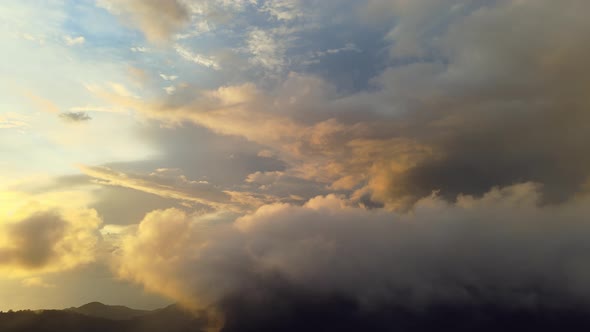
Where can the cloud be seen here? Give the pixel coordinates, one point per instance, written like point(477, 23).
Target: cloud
point(477, 116)
point(501, 249)
point(13, 121)
point(158, 20)
point(457, 174)
point(167, 184)
point(158, 183)
point(72, 41)
point(170, 89)
point(267, 49)
point(199, 59)
point(139, 49)
point(36, 282)
point(168, 77)
point(75, 116)
point(40, 234)
point(283, 10)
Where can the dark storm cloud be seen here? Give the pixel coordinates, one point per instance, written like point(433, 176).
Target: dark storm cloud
point(509, 107)
point(296, 309)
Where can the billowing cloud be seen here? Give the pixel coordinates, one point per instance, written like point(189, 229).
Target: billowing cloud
point(40, 234)
point(501, 249)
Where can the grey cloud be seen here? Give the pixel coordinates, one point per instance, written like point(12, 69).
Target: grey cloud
point(75, 117)
point(201, 154)
point(502, 249)
point(34, 239)
point(482, 109)
point(503, 110)
point(124, 206)
point(158, 20)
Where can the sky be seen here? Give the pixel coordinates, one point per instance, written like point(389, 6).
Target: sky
point(189, 151)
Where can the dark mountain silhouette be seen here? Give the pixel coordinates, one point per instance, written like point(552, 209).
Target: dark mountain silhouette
point(98, 317)
point(303, 314)
point(114, 312)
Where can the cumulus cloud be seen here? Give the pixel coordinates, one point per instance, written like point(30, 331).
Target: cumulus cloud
point(502, 249)
point(40, 235)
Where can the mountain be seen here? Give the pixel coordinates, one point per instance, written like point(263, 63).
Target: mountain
point(98, 317)
point(310, 316)
point(113, 312)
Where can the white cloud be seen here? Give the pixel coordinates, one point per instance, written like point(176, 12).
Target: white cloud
point(168, 77)
point(267, 50)
point(140, 49)
point(72, 41)
point(170, 89)
point(283, 10)
point(199, 59)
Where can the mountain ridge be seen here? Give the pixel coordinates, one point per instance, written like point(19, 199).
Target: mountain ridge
point(114, 312)
point(99, 317)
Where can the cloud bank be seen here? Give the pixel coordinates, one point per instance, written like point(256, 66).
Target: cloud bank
point(501, 249)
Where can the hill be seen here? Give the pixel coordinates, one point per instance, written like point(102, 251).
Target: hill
point(98, 317)
point(114, 312)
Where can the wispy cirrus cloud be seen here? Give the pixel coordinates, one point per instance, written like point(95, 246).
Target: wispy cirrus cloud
point(199, 59)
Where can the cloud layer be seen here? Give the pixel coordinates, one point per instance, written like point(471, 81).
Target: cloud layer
point(500, 249)
point(481, 114)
